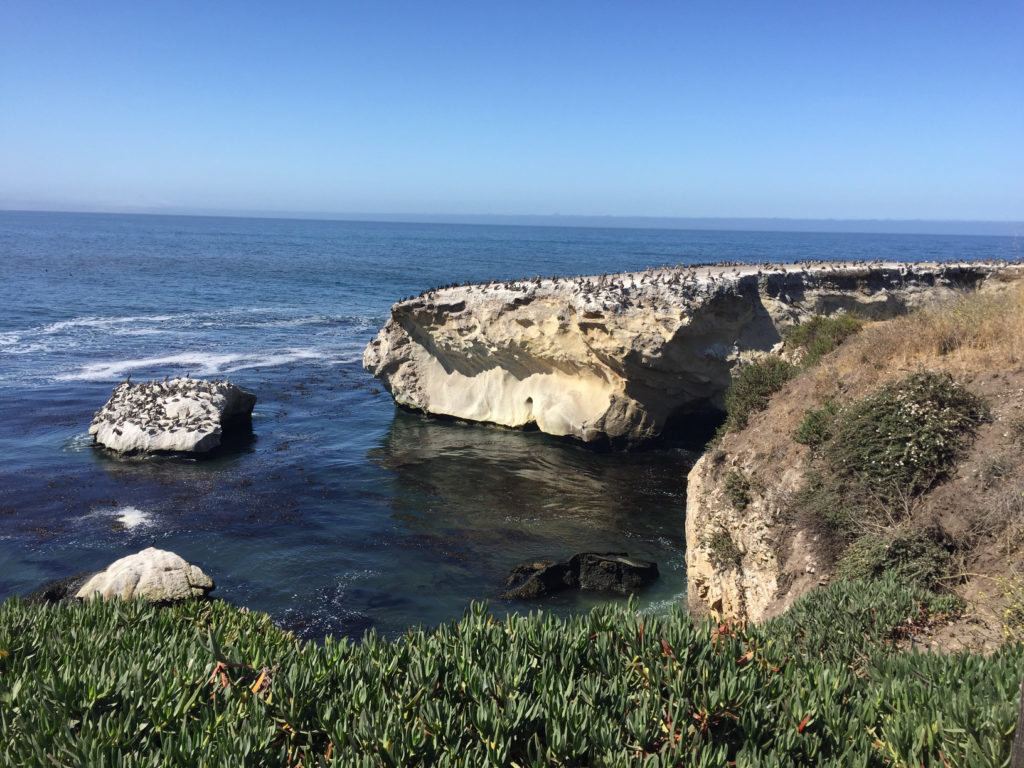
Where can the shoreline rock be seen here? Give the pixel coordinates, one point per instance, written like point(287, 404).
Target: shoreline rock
point(157, 575)
point(615, 357)
point(177, 415)
point(588, 571)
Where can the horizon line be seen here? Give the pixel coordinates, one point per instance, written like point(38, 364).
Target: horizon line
point(991, 227)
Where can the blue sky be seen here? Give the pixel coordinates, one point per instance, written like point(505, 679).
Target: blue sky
point(907, 110)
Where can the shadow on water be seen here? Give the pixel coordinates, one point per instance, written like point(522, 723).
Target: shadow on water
point(488, 498)
point(235, 444)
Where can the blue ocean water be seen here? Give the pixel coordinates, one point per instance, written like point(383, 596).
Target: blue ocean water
point(342, 513)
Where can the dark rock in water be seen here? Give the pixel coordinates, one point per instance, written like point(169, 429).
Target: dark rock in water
point(613, 572)
point(61, 590)
point(539, 579)
point(591, 571)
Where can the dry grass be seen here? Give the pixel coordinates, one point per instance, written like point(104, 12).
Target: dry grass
point(978, 331)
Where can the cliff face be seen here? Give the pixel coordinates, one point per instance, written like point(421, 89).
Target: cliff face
point(614, 357)
point(752, 549)
point(745, 560)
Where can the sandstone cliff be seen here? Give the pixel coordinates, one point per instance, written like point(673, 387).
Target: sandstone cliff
point(752, 549)
point(614, 357)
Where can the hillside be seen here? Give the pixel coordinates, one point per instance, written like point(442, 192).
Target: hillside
point(776, 508)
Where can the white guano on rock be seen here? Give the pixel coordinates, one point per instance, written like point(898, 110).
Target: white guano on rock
point(614, 357)
point(153, 574)
point(176, 415)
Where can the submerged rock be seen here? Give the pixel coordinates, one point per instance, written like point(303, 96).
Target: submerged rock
point(590, 571)
point(154, 574)
point(178, 415)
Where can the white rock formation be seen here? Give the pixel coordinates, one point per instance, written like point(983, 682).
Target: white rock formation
point(154, 574)
point(614, 356)
point(183, 415)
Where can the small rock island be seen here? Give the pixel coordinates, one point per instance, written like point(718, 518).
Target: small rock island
point(175, 415)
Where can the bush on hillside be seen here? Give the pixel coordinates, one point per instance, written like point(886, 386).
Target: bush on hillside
point(751, 390)
point(737, 490)
point(817, 424)
point(820, 335)
point(897, 443)
point(911, 558)
point(723, 550)
point(880, 453)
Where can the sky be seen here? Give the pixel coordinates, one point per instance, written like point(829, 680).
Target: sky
point(792, 109)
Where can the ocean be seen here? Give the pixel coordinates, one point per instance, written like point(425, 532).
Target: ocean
point(342, 513)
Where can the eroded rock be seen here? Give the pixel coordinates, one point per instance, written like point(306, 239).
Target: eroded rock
point(613, 357)
point(153, 574)
point(177, 415)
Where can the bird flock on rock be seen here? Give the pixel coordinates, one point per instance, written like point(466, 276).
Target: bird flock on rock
point(690, 280)
point(152, 406)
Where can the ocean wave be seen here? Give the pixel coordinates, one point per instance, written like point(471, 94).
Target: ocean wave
point(232, 318)
point(27, 349)
point(196, 362)
point(99, 322)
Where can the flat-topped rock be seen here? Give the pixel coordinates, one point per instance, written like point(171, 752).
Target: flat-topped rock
point(153, 574)
point(176, 415)
point(614, 357)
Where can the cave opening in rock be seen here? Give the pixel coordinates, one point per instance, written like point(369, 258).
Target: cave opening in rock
point(693, 428)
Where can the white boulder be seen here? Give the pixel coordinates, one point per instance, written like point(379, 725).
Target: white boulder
point(154, 574)
point(180, 415)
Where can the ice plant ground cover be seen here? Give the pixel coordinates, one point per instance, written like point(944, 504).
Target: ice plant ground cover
point(833, 682)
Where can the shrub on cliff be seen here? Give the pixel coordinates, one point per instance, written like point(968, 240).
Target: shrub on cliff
point(820, 335)
point(895, 444)
point(752, 388)
point(912, 558)
point(115, 683)
point(882, 452)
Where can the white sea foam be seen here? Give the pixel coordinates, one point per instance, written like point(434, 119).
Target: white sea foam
point(139, 331)
point(665, 606)
point(197, 363)
point(132, 517)
point(27, 349)
point(127, 325)
point(101, 322)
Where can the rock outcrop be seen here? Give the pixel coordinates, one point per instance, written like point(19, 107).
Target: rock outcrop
point(734, 552)
point(153, 574)
point(588, 571)
point(614, 357)
point(176, 415)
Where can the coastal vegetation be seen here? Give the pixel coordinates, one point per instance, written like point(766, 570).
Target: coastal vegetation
point(751, 390)
point(830, 683)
